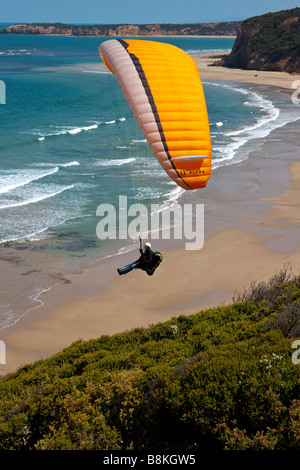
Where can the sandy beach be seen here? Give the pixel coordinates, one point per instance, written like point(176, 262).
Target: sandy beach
point(279, 79)
point(248, 237)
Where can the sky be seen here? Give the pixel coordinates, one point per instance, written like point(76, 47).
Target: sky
point(136, 11)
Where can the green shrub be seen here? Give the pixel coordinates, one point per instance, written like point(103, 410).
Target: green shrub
point(220, 379)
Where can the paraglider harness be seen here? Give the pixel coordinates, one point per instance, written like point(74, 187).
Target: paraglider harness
point(148, 261)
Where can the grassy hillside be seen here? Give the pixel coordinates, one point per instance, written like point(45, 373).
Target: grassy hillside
point(220, 379)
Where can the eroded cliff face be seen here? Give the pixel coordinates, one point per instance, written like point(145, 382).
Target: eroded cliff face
point(268, 42)
point(37, 29)
point(206, 29)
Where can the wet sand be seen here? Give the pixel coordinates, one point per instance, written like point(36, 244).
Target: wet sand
point(249, 235)
point(279, 79)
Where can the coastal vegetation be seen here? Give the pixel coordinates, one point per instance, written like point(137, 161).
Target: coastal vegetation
point(268, 42)
point(222, 378)
point(227, 28)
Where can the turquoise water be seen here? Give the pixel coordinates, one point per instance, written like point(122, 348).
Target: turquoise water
point(69, 142)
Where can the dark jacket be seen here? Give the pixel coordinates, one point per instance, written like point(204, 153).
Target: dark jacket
point(147, 258)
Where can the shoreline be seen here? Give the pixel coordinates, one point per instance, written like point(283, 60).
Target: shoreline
point(204, 61)
point(257, 77)
point(134, 36)
point(83, 308)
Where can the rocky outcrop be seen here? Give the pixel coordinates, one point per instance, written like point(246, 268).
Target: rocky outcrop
point(268, 42)
point(198, 29)
point(35, 28)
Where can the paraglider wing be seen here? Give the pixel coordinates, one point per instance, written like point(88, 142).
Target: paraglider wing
point(163, 88)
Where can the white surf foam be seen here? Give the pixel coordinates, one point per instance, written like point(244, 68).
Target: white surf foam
point(60, 165)
point(18, 178)
point(138, 141)
point(268, 120)
point(72, 130)
point(114, 162)
point(36, 198)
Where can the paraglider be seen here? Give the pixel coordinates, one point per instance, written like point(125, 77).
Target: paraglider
point(148, 261)
point(162, 85)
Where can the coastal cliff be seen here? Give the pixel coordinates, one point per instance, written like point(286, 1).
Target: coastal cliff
point(268, 42)
point(194, 29)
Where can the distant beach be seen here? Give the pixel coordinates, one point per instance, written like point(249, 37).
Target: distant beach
point(280, 79)
point(251, 231)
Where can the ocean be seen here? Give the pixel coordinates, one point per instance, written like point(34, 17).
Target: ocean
point(69, 142)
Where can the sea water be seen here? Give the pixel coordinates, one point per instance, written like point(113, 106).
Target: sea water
point(69, 142)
